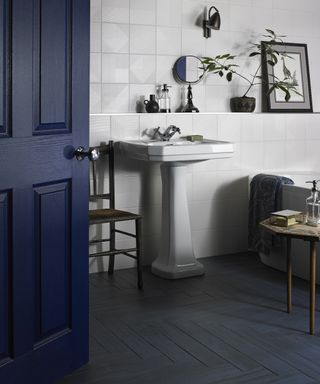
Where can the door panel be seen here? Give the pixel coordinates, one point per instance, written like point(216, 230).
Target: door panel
point(53, 64)
point(5, 28)
point(43, 190)
point(5, 277)
point(53, 259)
point(2, 64)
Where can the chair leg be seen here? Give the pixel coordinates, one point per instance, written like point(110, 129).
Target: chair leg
point(139, 252)
point(112, 248)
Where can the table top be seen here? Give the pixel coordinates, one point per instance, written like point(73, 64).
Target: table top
point(298, 231)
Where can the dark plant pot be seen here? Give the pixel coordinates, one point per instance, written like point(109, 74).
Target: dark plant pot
point(242, 104)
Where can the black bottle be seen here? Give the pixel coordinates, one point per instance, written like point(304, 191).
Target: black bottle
point(151, 105)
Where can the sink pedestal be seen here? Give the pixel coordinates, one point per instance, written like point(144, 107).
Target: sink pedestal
point(176, 258)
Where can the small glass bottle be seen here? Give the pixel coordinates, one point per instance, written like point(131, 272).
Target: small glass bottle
point(313, 206)
point(164, 99)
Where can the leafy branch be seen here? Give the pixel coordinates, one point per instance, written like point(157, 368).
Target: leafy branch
point(223, 65)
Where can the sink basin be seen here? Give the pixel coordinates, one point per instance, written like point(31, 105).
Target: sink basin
point(177, 150)
point(176, 257)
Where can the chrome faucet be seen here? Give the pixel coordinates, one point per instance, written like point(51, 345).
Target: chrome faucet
point(168, 133)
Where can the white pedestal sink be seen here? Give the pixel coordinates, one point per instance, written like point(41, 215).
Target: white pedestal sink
point(176, 257)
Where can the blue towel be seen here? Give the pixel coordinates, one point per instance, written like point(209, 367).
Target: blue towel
point(265, 197)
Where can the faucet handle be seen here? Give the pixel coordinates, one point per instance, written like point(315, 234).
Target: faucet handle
point(156, 132)
point(174, 128)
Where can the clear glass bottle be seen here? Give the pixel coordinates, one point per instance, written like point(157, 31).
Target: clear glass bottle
point(164, 99)
point(313, 206)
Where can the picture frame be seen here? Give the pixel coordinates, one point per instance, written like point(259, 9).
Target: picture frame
point(295, 65)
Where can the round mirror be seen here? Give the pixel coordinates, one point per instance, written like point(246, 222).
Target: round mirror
point(188, 69)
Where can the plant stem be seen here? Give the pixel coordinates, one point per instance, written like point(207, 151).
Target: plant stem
point(252, 82)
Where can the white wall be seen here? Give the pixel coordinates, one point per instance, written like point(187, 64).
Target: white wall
point(217, 189)
point(134, 44)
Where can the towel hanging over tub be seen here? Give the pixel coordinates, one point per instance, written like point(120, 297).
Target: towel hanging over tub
point(265, 197)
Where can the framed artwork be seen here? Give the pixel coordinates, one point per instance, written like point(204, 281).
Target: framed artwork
point(292, 66)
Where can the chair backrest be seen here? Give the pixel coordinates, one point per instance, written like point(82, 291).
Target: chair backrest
point(106, 152)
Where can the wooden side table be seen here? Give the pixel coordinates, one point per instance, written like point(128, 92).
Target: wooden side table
point(306, 233)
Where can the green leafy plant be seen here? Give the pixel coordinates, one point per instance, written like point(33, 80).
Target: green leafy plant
point(224, 65)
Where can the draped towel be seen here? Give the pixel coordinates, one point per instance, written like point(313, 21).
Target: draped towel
point(265, 197)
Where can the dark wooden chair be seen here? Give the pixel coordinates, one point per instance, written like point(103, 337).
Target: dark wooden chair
point(112, 215)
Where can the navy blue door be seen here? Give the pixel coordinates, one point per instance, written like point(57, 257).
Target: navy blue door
point(44, 67)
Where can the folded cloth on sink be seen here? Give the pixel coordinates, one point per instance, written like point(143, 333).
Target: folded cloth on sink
point(265, 197)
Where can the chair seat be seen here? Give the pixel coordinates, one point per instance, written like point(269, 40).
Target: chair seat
point(97, 216)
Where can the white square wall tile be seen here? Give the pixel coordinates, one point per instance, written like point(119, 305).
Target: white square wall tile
point(288, 4)
point(239, 16)
point(143, 12)
point(128, 191)
point(252, 156)
point(115, 38)
point(206, 125)
point(115, 11)
point(229, 127)
point(142, 39)
point(262, 4)
point(283, 24)
point(223, 44)
point(115, 98)
point(202, 215)
point(168, 41)
point(125, 127)
point(313, 126)
point(296, 127)
point(95, 98)
point(274, 127)
point(115, 68)
point(99, 122)
point(231, 185)
point(95, 68)
point(169, 12)
point(261, 19)
point(193, 43)
point(243, 2)
point(252, 127)
point(295, 155)
point(313, 155)
point(204, 186)
point(99, 129)
point(95, 10)
point(95, 37)
point(142, 69)
point(164, 67)
point(274, 155)
point(218, 98)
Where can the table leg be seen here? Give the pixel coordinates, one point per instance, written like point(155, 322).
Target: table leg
point(289, 276)
point(313, 252)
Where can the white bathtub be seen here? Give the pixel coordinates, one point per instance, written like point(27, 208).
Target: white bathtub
point(294, 197)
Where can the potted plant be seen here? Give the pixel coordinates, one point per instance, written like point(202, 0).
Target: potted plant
point(223, 65)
